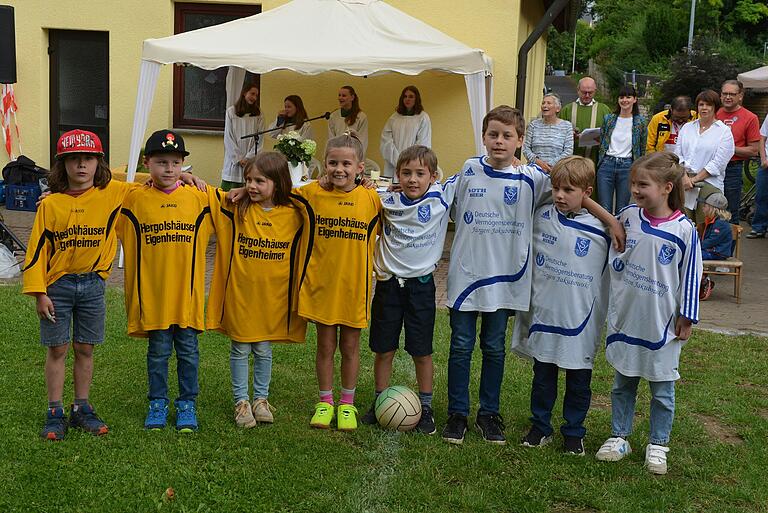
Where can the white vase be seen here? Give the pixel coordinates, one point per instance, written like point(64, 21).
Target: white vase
point(297, 172)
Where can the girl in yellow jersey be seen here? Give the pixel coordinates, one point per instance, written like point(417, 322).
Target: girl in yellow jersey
point(69, 256)
point(258, 245)
point(336, 284)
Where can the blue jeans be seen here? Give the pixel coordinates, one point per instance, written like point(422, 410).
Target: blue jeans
point(623, 397)
point(732, 184)
point(161, 345)
point(760, 219)
point(493, 329)
point(262, 369)
point(613, 176)
point(578, 395)
point(78, 300)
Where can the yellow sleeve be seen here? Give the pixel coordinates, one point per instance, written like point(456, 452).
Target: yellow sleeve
point(653, 126)
point(38, 253)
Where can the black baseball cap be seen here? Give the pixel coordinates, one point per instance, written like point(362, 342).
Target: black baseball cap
point(165, 141)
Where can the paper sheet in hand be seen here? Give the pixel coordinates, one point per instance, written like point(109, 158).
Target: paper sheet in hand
point(589, 137)
point(690, 198)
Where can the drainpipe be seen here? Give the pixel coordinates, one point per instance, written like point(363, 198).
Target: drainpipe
point(522, 56)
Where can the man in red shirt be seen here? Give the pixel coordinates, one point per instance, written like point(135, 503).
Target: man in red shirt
point(746, 137)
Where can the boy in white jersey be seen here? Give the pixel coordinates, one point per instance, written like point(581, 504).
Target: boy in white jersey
point(494, 199)
point(415, 223)
point(562, 329)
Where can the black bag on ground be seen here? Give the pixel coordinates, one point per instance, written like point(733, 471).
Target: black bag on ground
point(23, 170)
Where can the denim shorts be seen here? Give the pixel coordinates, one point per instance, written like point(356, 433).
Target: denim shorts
point(78, 300)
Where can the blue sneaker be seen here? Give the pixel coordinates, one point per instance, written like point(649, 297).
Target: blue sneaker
point(55, 424)
point(85, 418)
point(157, 415)
point(186, 416)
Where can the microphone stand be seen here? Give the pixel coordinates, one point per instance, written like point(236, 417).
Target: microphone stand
point(256, 135)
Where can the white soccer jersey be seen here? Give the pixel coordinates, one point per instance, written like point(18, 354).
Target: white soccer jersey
point(413, 234)
point(570, 290)
point(490, 265)
point(652, 282)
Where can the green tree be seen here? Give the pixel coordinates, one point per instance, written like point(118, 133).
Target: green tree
point(560, 47)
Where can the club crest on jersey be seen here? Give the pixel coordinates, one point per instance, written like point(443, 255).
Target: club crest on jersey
point(582, 246)
point(666, 254)
point(389, 201)
point(617, 265)
point(468, 217)
point(469, 172)
point(387, 228)
point(510, 194)
point(425, 213)
point(545, 215)
point(539, 259)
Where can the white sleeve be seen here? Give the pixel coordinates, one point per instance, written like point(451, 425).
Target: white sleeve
point(387, 148)
point(568, 142)
point(543, 185)
point(692, 270)
point(306, 131)
point(231, 148)
point(449, 192)
point(725, 150)
point(362, 131)
point(527, 149)
point(424, 134)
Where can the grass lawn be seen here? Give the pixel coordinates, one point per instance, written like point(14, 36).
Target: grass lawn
point(717, 462)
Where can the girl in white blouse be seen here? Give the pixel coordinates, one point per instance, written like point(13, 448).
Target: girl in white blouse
point(408, 126)
point(242, 118)
point(292, 117)
point(349, 117)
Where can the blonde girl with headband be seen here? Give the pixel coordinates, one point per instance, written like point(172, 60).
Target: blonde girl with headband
point(335, 293)
point(349, 116)
point(654, 301)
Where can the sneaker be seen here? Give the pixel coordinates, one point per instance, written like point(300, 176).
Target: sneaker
point(756, 235)
point(369, 418)
point(244, 415)
point(157, 415)
point(573, 445)
point(186, 416)
point(262, 411)
point(426, 423)
point(707, 285)
point(55, 424)
point(613, 449)
point(491, 428)
point(323, 416)
point(347, 418)
point(85, 418)
point(455, 429)
point(656, 458)
point(535, 438)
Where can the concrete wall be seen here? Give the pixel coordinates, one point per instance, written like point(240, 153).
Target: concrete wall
point(499, 28)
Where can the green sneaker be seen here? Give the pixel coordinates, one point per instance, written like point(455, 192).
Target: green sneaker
point(323, 416)
point(347, 420)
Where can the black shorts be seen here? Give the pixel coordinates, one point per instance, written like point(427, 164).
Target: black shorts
point(413, 304)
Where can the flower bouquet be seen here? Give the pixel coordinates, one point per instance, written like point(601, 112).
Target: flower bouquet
point(296, 149)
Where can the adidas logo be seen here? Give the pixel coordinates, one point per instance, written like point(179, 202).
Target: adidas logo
point(469, 172)
point(389, 201)
point(545, 215)
point(626, 223)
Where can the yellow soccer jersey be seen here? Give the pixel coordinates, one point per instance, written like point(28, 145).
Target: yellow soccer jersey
point(342, 228)
point(164, 237)
point(73, 235)
point(254, 292)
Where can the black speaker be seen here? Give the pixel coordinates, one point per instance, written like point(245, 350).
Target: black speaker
point(7, 46)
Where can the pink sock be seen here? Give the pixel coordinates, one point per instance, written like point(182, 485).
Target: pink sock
point(347, 396)
point(326, 396)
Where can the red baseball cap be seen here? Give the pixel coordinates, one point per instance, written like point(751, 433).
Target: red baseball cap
point(78, 141)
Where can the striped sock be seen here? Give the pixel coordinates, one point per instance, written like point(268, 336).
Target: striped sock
point(347, 396)
point(326, 396)
point(425, 398)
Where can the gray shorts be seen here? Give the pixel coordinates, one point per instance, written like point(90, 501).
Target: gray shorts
point(78, 301)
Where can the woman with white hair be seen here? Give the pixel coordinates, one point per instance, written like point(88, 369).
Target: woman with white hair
point(548, 138)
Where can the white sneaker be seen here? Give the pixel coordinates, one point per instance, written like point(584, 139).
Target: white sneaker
point(613, 449)
point(656, 458)
point(243, 415)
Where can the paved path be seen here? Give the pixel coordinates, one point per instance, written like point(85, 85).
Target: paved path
point(720, 312)
point(563, 87)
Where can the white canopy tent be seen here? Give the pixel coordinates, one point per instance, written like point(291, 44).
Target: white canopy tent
point(755, 79)
point(358, 37)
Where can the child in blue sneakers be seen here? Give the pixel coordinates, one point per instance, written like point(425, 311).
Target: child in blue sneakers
point(489, 274)
point(165, 230)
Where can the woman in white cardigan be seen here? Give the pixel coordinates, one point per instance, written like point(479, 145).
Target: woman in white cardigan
point(242, 118)
point(349, 117)
point(293, 117)
point(704, 147)
point(409, 125)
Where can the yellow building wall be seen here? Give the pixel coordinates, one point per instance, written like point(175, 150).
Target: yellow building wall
point(499, 28)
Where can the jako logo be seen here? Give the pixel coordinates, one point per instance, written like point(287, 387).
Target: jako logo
point(618, 265)
point(468, 217)
point(539, 259)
